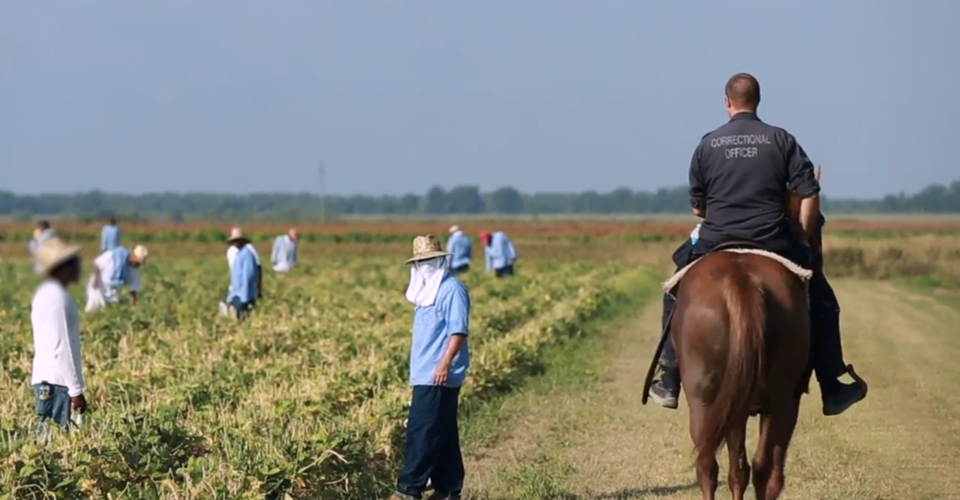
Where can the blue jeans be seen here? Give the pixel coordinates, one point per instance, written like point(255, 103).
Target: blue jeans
point(52, 403)
point(433, 443)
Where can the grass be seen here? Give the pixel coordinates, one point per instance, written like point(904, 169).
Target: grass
point(305, 400)
point(191, 406)
point(595, 441)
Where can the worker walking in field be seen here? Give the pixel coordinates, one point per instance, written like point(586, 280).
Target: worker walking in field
point(460, 250)
point(42, 233)
point(110, 236)
point(244, 278)
point(237, 235)
point(284, 255)
point(57, 373)
point(439, 359)
point(113, 270)
point(500, 253)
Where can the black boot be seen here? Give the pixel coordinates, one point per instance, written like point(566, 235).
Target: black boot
point(837, 396)
point(828, 351)
point(666, 391)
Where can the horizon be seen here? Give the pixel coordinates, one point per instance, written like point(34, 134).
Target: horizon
point(824, 193)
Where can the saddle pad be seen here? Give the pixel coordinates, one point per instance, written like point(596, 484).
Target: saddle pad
point(800, 272)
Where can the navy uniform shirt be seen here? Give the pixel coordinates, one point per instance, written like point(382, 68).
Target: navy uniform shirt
point(739, 175)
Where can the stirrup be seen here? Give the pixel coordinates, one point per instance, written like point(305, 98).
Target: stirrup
point(856, 378)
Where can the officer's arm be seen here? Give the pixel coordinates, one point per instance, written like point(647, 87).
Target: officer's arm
point(698, 188)
point(803, 181)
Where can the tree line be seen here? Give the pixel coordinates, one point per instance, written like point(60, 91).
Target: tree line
point(177, 207)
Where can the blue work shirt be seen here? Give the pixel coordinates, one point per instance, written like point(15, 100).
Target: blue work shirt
point(500, 252)
point(459, 248)
point(433, 326)
point(284, 251)
point(109, 237)
point(243, 277)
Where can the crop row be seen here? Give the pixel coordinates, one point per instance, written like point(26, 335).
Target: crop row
point(306, 399)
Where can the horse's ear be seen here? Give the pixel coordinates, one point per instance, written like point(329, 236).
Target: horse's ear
point(816, 173)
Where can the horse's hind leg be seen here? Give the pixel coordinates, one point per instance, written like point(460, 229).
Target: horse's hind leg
point(708, 470)
point(771, 455)
point(739, 476)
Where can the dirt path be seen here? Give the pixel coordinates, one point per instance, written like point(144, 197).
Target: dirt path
point(903, 442)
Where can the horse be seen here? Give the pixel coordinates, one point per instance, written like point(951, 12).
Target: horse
point(740, 321)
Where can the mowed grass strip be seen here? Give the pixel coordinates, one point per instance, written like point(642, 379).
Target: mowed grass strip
point(593, 440)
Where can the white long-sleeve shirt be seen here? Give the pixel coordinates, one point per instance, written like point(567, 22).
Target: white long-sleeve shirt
point(232, 254)
point(56, 338)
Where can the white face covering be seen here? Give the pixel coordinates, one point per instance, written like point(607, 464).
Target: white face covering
point(425, 278)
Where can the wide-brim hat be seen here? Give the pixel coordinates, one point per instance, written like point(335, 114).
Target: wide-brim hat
point(426, 248)
point(236, 235)
point(53, 252)
point(140, 253)
point(454, 229)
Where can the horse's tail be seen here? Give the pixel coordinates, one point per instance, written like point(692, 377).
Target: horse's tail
point(744, 297)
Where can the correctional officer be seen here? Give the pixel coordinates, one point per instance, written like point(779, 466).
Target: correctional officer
point(737, 178)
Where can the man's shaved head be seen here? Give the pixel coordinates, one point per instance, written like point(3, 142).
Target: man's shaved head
point(743, 91)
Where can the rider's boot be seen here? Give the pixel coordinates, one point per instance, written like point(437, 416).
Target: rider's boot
point(828, 352)
point(665, 392)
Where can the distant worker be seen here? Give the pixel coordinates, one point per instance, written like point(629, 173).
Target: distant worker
point(42, 233)
point(57, 373)
point(439, 359)
point(113, 270)
point(460, 250)
point(500, 253)
point(232, 254)
point(110, 235)
point(284, 255)
point(244, 276)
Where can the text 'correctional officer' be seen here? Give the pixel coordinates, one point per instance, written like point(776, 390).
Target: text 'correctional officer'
point(743, 146)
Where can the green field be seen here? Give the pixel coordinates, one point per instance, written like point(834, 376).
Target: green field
point(307, 399)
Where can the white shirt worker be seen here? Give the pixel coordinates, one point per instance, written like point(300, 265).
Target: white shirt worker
point(56, 338)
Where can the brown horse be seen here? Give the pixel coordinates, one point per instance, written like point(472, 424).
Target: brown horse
point(741, 329)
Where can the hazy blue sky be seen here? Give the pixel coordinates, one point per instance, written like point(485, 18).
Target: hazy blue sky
point(394, 96)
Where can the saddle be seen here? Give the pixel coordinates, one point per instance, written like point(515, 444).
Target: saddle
point(670, 286)
point(737, 245)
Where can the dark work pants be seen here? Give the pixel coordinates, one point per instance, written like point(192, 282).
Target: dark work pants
point(459, 269)
point(504, 271)
point(433, 443)
point(242, 309)
point(824, 308)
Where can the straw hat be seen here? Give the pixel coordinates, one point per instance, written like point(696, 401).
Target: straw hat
point(426, 248)
point(454, 229)
point(236, 234)
point(54, 252)
point(140, 253)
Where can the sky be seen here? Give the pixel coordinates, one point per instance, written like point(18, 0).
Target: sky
point(394, 96)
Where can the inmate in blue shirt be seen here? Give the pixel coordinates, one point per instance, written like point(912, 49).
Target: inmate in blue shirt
point(433, 326)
